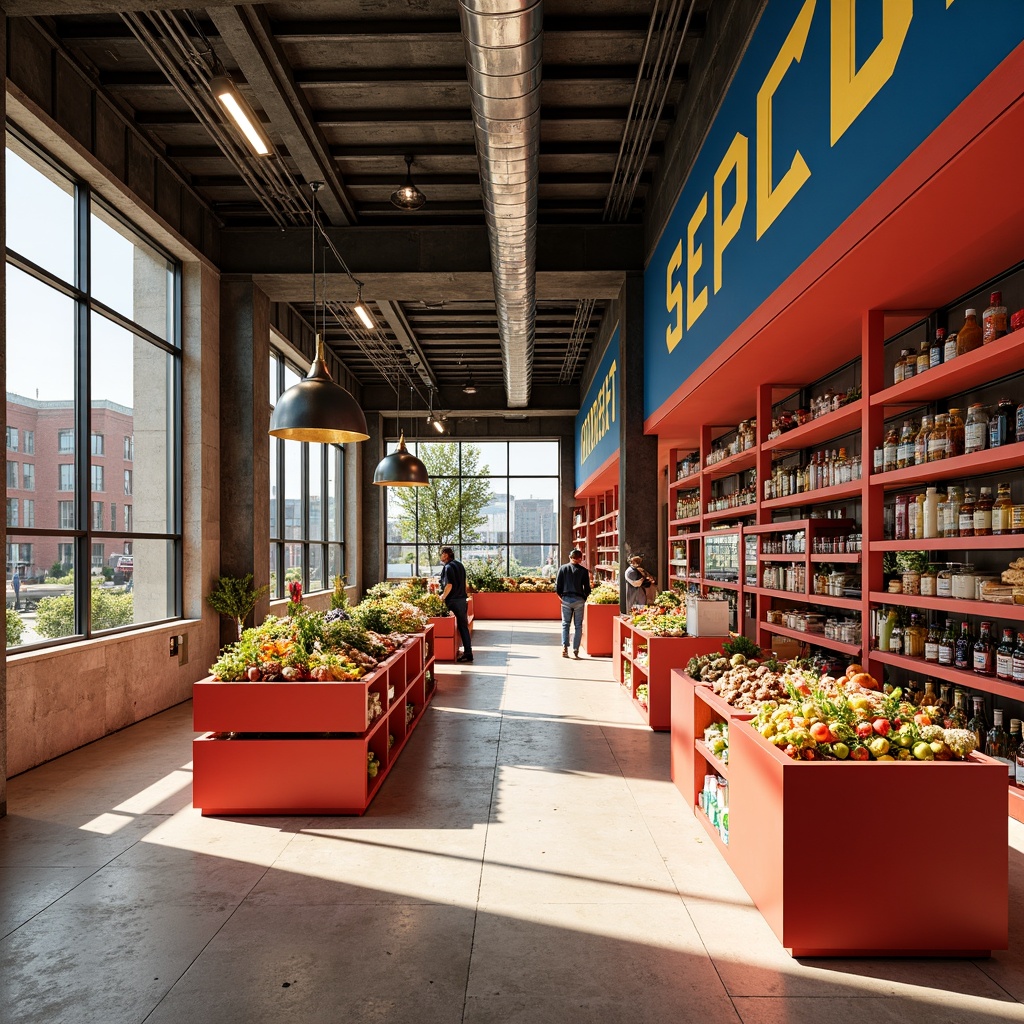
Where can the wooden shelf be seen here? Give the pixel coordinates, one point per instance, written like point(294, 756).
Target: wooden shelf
point(738, 512)
point(687, 483)
point(819, 496)
point(989, 462)
point(816, 639)
point(1004, 542)
point(989, 684)
point(732, 465)
point(958, 375)
point(953, 608)
point(846, 557)
point(705, 751)
point(722, 584)
point(845, 420)
point(851, 603)
point(688, 521)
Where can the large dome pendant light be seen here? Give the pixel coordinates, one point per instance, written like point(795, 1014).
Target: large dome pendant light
point(401, 468)
point(316, 409)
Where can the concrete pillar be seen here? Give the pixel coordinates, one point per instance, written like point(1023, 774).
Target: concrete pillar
point(3, 375)
point(244, 443)
point(638, 453)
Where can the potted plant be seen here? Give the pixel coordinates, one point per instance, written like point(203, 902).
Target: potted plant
point(235, 597)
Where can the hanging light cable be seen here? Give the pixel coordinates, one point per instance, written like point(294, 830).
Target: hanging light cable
point(401, 468)
point(317, 409)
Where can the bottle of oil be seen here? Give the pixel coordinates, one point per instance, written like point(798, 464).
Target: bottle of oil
point(889, 448)
point(924, 356)
point(935, 349)
point(983, 514)
point(969, 337)
point(955, 434)
point(905, 448)
point(966, 527)
point(938, 439)
point(921, 440)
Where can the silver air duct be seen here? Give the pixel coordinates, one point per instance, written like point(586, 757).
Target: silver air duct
point(503, 57)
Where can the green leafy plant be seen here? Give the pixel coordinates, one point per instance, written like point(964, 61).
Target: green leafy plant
point(486, 576)
point(668, 599)
point(741, 645)
point(911, 561)
point(55, 616)
point(235, 597)
point(15, 628)
point(339, 599)
point(431, 605)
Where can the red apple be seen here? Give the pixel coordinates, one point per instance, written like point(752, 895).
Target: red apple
point(881, 726)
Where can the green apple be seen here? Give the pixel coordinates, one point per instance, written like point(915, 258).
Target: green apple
point(923, 751)
point(841, 750)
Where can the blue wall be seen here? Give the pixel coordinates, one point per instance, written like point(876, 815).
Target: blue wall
point(597, 422)
point(910, 74)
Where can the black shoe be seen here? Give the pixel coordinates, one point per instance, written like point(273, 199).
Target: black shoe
point(465, 657)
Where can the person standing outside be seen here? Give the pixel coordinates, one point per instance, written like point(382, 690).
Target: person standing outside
point(16, 584)
point(638, 579)
point(453, 593)
point(572, 585)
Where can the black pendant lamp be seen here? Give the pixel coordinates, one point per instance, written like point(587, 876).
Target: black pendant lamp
point(401, 468)
point(408, 197)
point(317, 409)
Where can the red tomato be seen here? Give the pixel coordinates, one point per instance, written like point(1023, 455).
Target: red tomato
point(859, 753)
point(881, 726)
point(820, 732)
point(864, 729)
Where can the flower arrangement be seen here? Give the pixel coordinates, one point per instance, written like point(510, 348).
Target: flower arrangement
point(604, 593)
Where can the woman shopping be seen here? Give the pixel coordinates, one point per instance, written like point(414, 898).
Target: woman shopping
point(638, 579)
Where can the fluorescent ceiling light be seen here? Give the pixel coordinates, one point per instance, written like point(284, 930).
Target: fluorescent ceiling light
point(240, 112)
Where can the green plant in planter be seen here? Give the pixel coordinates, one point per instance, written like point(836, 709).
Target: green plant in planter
point(911, 561)
point(236, 597)
point(15, 627)
point(432, 606)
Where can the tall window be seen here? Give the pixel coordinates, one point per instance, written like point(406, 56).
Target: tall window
point(28, 508)
point(29, 441)
point(12, 474)
point(12, 511)
point(306, 503)
point(112, 304)
point(12, 439)
point(129, 449)
point(495, 500)
point(28, 477)
point(128, 481)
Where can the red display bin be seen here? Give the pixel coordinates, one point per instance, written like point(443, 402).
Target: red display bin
point(517, 606)
point(597, 629)
point(798, 826)
point(302, 748)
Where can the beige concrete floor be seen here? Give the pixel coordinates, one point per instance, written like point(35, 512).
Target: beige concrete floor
point(527, 860)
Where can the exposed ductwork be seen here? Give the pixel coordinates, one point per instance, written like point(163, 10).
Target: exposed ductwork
point(503, 56)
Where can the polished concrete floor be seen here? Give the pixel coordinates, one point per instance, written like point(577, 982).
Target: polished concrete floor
point(527, 860)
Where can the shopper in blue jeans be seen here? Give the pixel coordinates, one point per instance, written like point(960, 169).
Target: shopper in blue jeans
point(572, 585)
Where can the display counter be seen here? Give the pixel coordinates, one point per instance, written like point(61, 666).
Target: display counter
point(822, 847)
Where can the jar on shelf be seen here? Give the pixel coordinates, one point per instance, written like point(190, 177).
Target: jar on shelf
point(911, 583)
point(955, 433)
point(929, 582)
point(944, 580)
point(962, 584)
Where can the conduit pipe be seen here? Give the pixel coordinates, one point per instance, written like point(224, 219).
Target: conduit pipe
point(503, 40)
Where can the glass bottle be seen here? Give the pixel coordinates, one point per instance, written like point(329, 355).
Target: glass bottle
point(975, 429)
point(1001, 424)
point(963, 653)
point(1019, 765)
point(899, 366)
point(966, 517)
point(957, 717)
point(905, 448)
point(1018, 659)
point(951, 513)
point(993, 320)
point(923, 354)
point(909, 364)
point(1018, 431)
point(886, 628)
point(929, 699)
point(921, 440)
point(947, 644)
point(938, 438)
point(968, 338)
point(896, 639)
point(914, 637)
point(935, 349)
point(949, 347)
point(955, 434)
point(997, 743)
point(977, 723)
point(945, 697)
point(889, 450)
point(931, 644)
point(1004, 657)
point(983, 659)
point(1002, 511)
point(983, 514)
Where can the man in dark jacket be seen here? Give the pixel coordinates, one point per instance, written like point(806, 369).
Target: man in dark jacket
point(572, 585)
point(453, 593)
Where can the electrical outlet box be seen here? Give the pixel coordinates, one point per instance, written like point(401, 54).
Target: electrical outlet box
point(183, 649)
point(174, 647)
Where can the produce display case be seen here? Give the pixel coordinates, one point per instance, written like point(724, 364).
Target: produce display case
point(544, 605)
point(303, 747)
point(775, 843)
point(663, 654)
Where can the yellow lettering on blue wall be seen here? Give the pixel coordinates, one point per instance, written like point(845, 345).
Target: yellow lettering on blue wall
point(734, 162)
point(674, 298)
point(600, 416)
point(771, 201)
point(695, 304)
point(853, 90)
